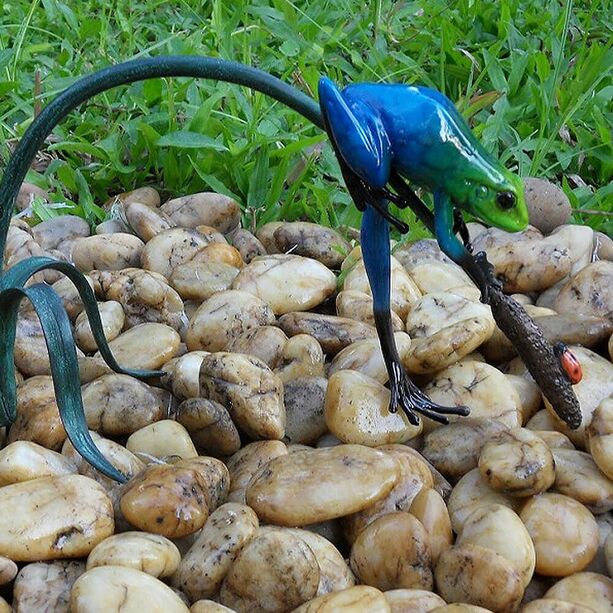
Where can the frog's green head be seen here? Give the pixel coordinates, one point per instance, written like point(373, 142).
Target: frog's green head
point(496, 198)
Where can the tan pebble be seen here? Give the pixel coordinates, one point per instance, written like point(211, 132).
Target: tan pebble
point(404, 292)
point(413, 478)
point(564, 533)
point(247, 244)
point(109, 589)
point(444, 328)
point(116, 454)
point(199, 280)
point(433, 276)
point(145, 195)
point(543, 420)
point(145, 221)
point(113, 319)
point(321, 484)
point(249, 389)
point(479, 576)
point(498, 528)
point(182, 375)
point(460, 607)
point(479, 386)
point(304, 407)
point(517, 462)
point(266, 235)
point(412, 601)
point(208, 208)
point(219, 252)
point(357, 411)
point(145, 296)
point(287, 282)
point(577, 476)
point(171, 248)
point(107, 252)
point(393, 552)
point(334, 573)
point(163, 438)
point(313, 241)
point(551, 605)
point(166, 500)
point(608, 553)
point(208, 606)
point(353, 304)
point(45, 586)
point(247, 461)
point(276, 571)
point(455, 449)
point(25, 460)
point(264, 342)
point(151, 553)
point(366, 357)
point(206, 563)
point(210, 426)
point(472, 492)
point(530, 396)
point(146, 346)
point(589, 291)
point(599, 437)
point(59, 517)
point(594, 387)
point(589, 590)
point(333, 333)
point(215, 476)
point(224, 317)
point(8, 570)
point(301, 356)
point(430, 509)
point(554, 440)
point(358, 599)
point(548, 206)
point(119, 404)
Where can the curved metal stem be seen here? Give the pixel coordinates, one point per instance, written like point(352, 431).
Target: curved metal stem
point(128, 72)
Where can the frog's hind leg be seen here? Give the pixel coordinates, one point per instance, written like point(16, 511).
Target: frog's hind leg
point(404, 393)
point(358, 133)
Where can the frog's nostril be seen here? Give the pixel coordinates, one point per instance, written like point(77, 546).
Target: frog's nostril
point(505, 200)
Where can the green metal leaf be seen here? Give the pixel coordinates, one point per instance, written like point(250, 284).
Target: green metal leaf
point(18, 275)
point(8, 387)
point(64, 370)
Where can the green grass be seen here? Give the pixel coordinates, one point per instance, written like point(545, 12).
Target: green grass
point(535, 78)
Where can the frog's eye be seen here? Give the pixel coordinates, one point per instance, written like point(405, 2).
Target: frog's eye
point(505, 200)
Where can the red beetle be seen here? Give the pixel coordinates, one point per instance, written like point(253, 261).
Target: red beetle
point(570, 364)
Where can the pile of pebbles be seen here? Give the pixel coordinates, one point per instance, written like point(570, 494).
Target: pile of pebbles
point(266, 473)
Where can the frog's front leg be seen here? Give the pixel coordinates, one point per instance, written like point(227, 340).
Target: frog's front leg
point(404, 393)
point(477, 266)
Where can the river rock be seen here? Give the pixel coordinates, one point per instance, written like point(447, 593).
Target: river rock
point(210, 426)
point(250, 390)
point(119, 404)
point(146, 346)
point(204, 208)
point(204, 566)
point(320, 484)
point(353, 304)
point(333, 333)
point(301, 356)
point(51, 233)
point(438, 322)
point(153, 554)
point(599, 437)
point(357, 411)
point(357, 599)
point(113, 319)
point(198, 280)
point(313, 241)
point(264, 342)
point(287, 282)
point(107, 252)
point(25, 460)
point(590, 590)
point(145, 221)
point(161, 439)
point(304, 408)
point(46, 586)
point(590, 291)
point(247, 244)
point(111, 589)
point(59, 517)
point(548, 205)
point(224, 317)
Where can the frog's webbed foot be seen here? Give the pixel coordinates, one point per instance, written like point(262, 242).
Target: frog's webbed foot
point(406, 395)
